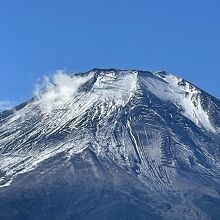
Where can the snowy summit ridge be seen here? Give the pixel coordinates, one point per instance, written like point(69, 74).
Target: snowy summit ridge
point(121, 85)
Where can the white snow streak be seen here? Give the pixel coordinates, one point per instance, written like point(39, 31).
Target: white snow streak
point(185, 96)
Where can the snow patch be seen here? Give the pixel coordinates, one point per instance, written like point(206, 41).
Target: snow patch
point(184, 95)
point(118, 87)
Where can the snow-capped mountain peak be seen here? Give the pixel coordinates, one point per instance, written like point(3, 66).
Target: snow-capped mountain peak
point(150, 129)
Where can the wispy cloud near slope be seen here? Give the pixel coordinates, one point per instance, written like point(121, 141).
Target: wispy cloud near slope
point(58, 89)
point(5, 105)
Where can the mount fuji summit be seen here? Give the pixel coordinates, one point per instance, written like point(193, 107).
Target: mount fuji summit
point(111, 144)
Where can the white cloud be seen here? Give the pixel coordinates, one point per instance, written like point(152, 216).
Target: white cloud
point(5, 105)
point(54, 91)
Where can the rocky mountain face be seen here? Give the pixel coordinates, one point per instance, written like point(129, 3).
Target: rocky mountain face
point(112, 144)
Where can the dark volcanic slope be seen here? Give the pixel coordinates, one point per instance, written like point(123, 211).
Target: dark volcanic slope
point(111, 144)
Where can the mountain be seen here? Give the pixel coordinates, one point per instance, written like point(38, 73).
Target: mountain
point(112, 144)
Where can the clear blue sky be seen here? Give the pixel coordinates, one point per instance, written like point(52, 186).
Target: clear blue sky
point(38, 37)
